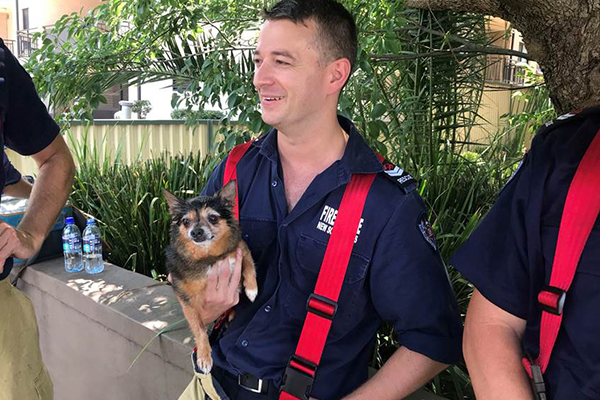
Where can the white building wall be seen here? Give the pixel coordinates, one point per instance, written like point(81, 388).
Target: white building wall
point(7, 29)
point(159, 94)
point(46, 12)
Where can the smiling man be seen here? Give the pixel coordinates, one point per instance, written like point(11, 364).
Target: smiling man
point(290, 185)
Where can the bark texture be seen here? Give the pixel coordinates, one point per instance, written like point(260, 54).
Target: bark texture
point(563, 36)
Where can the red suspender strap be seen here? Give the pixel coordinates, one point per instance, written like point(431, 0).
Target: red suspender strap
point(579, 215)
point(322, 304)
point(230, 173)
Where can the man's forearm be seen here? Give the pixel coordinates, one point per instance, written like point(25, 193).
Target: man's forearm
point(404, 373)
point(49, 194)
point(492, 348)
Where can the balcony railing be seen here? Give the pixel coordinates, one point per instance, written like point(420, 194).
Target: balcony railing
point(25, 43)
point(504, 69)
point(10, 44)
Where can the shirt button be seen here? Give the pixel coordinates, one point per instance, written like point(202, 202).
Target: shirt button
point(267, 308)
point(244, 343)
point(274, 183)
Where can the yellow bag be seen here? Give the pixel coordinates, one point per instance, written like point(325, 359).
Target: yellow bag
point(23, 375)
point(203, 387)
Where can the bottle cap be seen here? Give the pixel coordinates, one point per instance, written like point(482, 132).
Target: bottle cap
point(91, 221)
point(69, 220)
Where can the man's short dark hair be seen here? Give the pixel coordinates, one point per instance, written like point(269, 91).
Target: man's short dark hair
point(336, 29)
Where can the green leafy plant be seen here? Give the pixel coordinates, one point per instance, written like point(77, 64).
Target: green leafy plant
point(538, 108)
point(405, 55)
point(142, 108)
point(197, 115)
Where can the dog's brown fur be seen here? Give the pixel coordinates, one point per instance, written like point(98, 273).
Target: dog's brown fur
point(204, 231)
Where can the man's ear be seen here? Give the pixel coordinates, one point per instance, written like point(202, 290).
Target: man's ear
point(227, 192)
point(339, 73)
point(174, 202)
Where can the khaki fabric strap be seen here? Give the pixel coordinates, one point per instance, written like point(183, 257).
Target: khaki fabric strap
point(207, 383)
point(203, 387)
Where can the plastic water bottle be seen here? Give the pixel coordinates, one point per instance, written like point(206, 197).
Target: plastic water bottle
point(92, 248)
point(71, 239)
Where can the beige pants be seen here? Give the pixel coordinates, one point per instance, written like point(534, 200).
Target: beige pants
point(23, 375)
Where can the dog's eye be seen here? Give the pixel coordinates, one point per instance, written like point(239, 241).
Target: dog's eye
point(185, 222)
point(213, 219)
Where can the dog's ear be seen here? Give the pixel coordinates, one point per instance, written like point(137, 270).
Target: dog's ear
point(227, 192)
point(174, 202)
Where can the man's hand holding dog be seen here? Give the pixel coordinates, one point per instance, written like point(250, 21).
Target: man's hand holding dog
point(223, 287)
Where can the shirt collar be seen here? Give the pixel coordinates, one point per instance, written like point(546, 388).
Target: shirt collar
point(358, 157)
point(568, 117)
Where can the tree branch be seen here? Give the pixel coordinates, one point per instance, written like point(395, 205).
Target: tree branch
point(486, 7)
point(470, 48)
point(466, 43)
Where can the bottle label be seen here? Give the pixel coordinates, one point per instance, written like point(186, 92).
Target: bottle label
point(92, 245)
point(71, 244)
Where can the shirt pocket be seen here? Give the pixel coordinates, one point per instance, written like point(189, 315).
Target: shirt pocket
point(303, 278)
point(589, 263)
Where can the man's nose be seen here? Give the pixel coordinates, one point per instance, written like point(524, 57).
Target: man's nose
point(262, 76)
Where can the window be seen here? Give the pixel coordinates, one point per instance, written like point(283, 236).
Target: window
point(26, 18)
point(522, 49)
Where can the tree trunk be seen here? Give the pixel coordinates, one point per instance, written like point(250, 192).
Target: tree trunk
point(563, 36)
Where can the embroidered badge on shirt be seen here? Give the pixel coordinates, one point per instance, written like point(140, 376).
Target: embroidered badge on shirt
point(427, 231)
point(327, 221)
point(402, 178)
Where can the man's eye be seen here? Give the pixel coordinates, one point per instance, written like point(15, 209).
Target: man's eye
point(257, 62)
point(280, 62)
point(185, 222)
point(213, 219)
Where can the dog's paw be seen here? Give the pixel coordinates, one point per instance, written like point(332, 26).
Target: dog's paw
point(251, 294)
point(231, 315)
point(204, 364)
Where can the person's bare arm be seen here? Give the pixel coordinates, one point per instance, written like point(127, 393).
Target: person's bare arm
point(52, 188)
point(21, 189)
point(492, 349)
point(404, 373)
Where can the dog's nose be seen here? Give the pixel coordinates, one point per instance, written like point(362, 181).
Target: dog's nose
point(198, 234)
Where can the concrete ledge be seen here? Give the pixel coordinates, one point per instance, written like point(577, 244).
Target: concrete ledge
point(93, 326)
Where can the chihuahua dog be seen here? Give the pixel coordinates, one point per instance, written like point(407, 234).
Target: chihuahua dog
point(204, 231)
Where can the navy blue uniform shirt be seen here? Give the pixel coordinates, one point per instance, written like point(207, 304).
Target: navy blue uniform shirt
point(395, 273)
point(25, 125)
point(509, 257)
